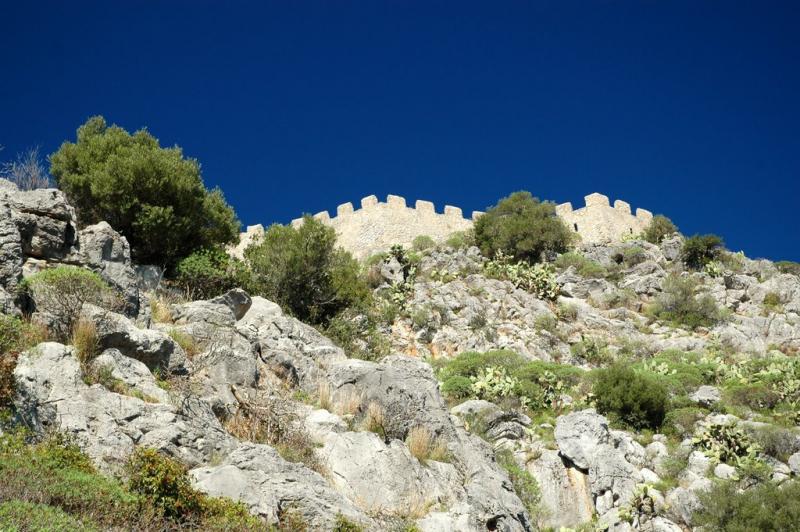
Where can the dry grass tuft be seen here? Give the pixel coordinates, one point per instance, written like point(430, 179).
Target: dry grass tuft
point(85, 341)
point(423, 446)
point(324, 395)
point(187, 343)
point(159, 309)
point(375, 420)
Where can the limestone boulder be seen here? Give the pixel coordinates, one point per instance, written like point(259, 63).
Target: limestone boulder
point(154, 348)
point(268, 485)
point(566, 495)
point(52, 395)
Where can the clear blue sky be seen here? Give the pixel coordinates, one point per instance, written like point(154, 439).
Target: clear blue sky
point(687, 108)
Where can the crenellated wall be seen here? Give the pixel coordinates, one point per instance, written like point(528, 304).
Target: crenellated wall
point(376, 226)
point(599, 222)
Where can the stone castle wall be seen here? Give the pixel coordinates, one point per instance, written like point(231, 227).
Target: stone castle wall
point(376, 226)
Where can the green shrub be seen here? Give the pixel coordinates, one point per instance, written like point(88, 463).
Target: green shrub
point(152, 195)
point(470, 363)
point(658, 228)
point(585, 267)
point(592, 350)
point(522, 227)
point(788, 266)
point(634, 398)
point(457, 387)
point(164, 482)
point(208, 273)
point(757, 396)
point(699, 250)
point(358, 334)
point(680, 304)
point(460, 240)
point(777, 442)
point(61, 292)
point(422, 242)
point(766, 508)
point(633, 255)
point(302, 270)
point(343, 524)
point(772, 302)
point(725, 442)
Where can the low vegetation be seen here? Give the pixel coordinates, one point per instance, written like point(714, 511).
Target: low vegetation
point(634, 398)
point(659, 228)
point(52, 482)
point(681, 303)
point(699, 250)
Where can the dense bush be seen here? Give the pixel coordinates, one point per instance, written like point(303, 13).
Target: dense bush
point(635, 398)
point(766, 508)
point(302, 270)
point(209, 272)
point(680, 303)
point(59, 293)
point(152, 195)
point(523, 227)
point(699, 250)
point(658, 228)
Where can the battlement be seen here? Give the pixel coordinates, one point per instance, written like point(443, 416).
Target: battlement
point(422, 209)
point(599, 222)
point(376, 225)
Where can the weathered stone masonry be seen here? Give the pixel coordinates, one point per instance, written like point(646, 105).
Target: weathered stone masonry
point(376, 226)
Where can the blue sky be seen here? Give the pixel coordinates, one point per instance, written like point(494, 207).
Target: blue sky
point(690, 109)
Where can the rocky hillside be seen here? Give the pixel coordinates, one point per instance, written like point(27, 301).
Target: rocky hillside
point(627, 394)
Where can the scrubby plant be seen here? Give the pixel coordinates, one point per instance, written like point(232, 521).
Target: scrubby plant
point(26, 171)
point(659, 228)
point(713, 269)
point(85, 341)
point(343, 524)
point(154, 196)
point(209, 272)
point(189, 345)
point(680, 303)
point(60, 293)
point(725, 442)
point(538, 279)
point(637, 399)
point(766, 508)
point(457, 387)
point(680, 422)
point(585, 267)
point(567, 311)
point(772, 302)
point(699, 250)
point(358, 333)
point(641, 506)
point(302, 270)
point(460, 239)
point(422, 242)
point(525, 485)
point(788, 266)
point(163, 481)
point(16, 336)
point(523, 228)
point(633, 255)
point(493, 382)
point(592, 350)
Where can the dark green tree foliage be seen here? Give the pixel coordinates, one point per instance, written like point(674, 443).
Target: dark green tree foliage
point(658, 228)
point(699, 250)
point(637, 399)
point(302, 270)
point(523, 227)
point(152, 195)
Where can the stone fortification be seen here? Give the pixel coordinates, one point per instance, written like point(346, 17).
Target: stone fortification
point(376, 226)
point(598, 222)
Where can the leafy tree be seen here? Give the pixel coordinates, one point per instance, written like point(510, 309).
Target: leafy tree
point(302, 270)
point(635, 398)
point(699, 250)
point(154, 196)
point(658, 228)
point(523, 227)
